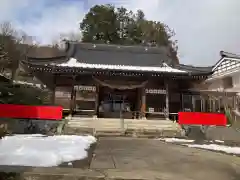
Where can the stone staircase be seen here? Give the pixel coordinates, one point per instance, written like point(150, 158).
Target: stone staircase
point(108, 126)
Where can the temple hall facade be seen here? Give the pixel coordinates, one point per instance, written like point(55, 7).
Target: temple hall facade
point(112, 81)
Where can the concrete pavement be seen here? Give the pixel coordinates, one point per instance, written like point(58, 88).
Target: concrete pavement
point(152, 159)
point(118, 158)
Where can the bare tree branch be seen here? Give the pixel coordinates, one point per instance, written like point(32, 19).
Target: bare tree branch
point(15, 44)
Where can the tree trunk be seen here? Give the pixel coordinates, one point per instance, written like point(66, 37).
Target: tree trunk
point(14, 74)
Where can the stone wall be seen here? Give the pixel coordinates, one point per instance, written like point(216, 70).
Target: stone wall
point(229, 134)
point(23, 126)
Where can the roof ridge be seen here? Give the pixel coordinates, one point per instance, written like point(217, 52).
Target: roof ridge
point(117, 45)
point(228, 54)
point(188, 65)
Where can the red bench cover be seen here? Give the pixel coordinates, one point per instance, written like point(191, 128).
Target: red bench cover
point(30, 112)
point(200, 118)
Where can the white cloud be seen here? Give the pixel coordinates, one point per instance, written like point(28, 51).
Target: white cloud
point(43, 21)
point(203, 28)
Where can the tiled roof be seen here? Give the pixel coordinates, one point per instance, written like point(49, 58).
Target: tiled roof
point(194, 69)
point(117, 57)
point(121, 55)
point(45, 52)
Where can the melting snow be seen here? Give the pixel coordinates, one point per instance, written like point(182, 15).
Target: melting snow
point(176, 140)
point(30, 84)
point(74, 63)
point(219, 141)
point(45, 151)
point(215, 147)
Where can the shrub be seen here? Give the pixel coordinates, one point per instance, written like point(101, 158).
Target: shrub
point(22, 94)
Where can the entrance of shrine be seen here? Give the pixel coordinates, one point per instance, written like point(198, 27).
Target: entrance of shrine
point(116, 103)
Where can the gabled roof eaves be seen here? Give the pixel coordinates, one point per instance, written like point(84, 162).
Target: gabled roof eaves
point(226, 56)
point(229, 55)
point(223, 59)
point(59, 59)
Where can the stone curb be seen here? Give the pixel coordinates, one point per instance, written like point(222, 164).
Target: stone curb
point(29, 173)
point(52, 173)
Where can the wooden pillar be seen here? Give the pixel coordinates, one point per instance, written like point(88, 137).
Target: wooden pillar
point(139, 104)
point(210, 103)
point(219, 104)
point(202, 103)
point(96, 100)
point(182, 102)
point(53, 90)
point(214, 105)
point(167, 100)
point(72, 97)
point(53, 96)
point(193, 103)
point(143, 103)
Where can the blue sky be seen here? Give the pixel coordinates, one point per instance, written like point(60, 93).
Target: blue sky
point(203, 28)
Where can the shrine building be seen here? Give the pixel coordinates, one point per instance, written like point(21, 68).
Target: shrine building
point(112, 81)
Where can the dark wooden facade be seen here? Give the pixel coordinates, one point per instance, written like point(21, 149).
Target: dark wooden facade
point(118, 91)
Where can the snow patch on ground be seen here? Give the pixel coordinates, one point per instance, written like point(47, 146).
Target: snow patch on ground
point(212, 146)
point(43, 151)
point(216, 147)
point(219, 141)
point(177, 140)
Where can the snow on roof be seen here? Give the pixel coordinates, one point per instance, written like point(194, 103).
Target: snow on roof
point(74, 63)
point(30, 84)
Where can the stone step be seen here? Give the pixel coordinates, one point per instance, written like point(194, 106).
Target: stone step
point(114, 119)
point(112, 125)
point(97, 123)
point(138, 132)
point(132, 128)
point(119, 125)
point(150, 122)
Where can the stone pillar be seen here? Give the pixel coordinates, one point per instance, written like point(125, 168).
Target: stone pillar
point(143, 103)
point(167, 100)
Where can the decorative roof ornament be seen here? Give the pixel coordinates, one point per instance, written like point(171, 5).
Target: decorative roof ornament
point(165, 65)
point(229, 55)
